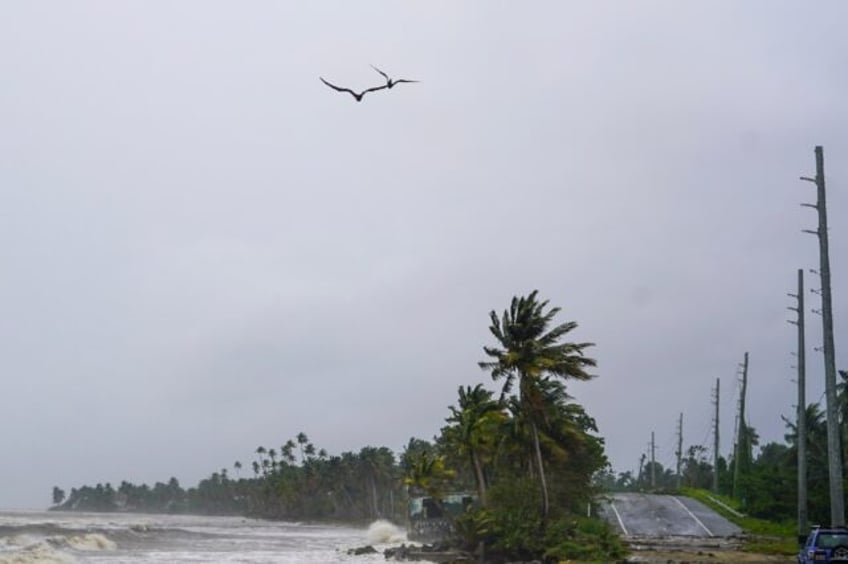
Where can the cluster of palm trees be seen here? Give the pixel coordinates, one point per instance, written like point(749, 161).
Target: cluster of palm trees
point(534, 356)
point(161, 498)
point(529, 443)
point(302, 482)
point(531, 433)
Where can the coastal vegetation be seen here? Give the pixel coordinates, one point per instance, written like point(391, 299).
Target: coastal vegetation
point(762, 497)
point(766, 486)
point(295, 481)
point(527, 452)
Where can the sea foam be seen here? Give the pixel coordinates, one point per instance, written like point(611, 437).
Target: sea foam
point(40, 553)
point(385, 532)
point(90, 542)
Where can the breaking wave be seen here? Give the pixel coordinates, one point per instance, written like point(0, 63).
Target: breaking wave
point(385, 532)
point(70, 538)
point(40, 552)
point(29, 549)
point(90, 542)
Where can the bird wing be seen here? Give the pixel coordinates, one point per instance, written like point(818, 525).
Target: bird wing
point(375, 88)
point(338, 88)
point(381, 72)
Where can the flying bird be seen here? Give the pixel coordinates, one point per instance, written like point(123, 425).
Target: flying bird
point(389, 82)
point(357, 95)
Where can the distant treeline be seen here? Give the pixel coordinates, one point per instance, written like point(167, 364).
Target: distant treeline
point(295, 482)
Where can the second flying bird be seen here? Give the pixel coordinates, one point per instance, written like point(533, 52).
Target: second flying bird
point(390, 83)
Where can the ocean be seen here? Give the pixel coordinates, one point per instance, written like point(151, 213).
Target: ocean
point(67, 537)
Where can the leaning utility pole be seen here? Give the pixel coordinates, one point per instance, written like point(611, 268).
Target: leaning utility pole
point(679, 448)
point(715, 445)
point(834, 453)
point(742, 431)
point(801, 424)
point(653, 463)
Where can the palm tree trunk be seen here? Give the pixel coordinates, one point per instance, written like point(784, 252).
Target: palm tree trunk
point(374, 506)
point(481, 479)
point(541, 468)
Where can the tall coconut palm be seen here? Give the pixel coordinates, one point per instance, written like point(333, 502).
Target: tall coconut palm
point(475, 420)
point(530, 351)
point(261, 450)
point(302, 440)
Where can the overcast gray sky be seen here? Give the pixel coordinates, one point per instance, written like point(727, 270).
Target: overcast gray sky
point(204, 249)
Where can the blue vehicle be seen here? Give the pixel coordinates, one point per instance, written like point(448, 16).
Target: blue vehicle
point(825, 545)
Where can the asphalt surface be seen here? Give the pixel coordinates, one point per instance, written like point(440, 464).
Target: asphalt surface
point(654, 515)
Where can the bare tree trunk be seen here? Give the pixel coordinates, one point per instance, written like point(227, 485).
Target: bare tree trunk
point(541, 469)
point(481, 479)
point(374, 505)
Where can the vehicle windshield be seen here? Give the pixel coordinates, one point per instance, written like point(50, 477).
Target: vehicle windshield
point(831, 540)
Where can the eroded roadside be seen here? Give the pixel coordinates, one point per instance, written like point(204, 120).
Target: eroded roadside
point(695, 550)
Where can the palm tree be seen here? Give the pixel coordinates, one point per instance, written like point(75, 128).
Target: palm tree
point(529, 353)
point(302, 439)
point(260, 450)
point(58, 495)
point(309, 451)
point(475, 420)
point(376, 466)
point(842, 403)
point(428, 474)
point(287, 451)
point(817, 473)
point(272, 454)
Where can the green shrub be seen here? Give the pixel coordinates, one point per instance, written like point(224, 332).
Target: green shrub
point(473, 527)
point(516, 529)
point(515, 532)
point(583, 539)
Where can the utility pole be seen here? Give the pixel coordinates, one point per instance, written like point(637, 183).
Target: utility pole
point(801, 424)
point(653, 463)
point(679, 448)
point(834, 452)
point(742, 431)
point(716, 444)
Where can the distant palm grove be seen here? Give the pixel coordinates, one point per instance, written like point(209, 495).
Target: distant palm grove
point(527, 451)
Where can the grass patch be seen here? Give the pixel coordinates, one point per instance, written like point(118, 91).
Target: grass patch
point(764, 537)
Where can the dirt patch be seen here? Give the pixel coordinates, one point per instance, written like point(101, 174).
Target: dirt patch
point(677, 557)
point(694, 550)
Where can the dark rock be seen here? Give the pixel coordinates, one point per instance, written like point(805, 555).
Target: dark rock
point(362, 550)
point(433, 553)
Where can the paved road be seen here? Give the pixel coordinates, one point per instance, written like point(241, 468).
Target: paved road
point(653, 515)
